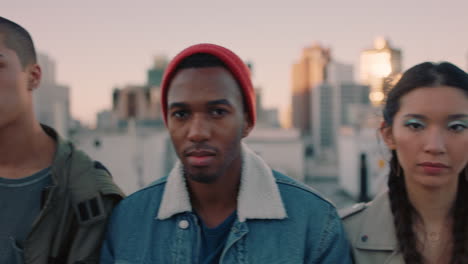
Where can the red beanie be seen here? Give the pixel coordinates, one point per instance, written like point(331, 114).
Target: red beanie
point(235, 65)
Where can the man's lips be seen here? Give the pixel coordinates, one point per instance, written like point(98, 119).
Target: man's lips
point(200, 157)
point(200, 161)
point(200, 153)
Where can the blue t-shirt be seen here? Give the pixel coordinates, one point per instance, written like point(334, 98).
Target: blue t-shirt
point(20, 204)
point(214, 239)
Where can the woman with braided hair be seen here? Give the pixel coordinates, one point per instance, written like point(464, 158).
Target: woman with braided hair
point(423, 217)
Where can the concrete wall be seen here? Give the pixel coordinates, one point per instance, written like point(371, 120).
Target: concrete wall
point(352, 144)
point(282, 149)
point(138, 157)
point(134, 160)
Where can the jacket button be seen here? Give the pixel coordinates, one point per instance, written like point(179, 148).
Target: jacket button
point(364, 238)
point(183, 224)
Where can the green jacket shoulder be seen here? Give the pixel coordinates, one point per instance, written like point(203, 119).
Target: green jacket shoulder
point(73, 219)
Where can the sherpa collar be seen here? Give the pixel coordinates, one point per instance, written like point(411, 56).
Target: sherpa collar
point(258, 198)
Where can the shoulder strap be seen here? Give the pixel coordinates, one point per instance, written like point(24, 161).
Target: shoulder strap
point(85, 185)
point(89, 182)
point(347, 212)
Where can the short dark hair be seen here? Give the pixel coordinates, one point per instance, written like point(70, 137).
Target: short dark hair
point(16, 38)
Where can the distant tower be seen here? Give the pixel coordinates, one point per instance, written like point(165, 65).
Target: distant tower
point(352, 98)
point(378, 67)
point(155, 74)
point(140, 103)
point(339, 73)
point(324, 118)
point(307, 73)
point(332, 101)
point(52, 100)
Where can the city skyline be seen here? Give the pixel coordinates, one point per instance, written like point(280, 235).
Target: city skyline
point(99, 46)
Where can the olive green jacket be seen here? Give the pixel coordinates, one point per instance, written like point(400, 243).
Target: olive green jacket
point(75, 208)
point(371, 232)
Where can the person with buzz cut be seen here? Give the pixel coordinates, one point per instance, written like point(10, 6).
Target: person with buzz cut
point(54, 199)
point(221, 203)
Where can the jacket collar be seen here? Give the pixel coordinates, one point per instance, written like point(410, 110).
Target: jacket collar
point(258, 198)
point(63, 152)
point(377, 231)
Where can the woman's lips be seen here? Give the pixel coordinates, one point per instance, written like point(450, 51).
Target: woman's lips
point(431, 168)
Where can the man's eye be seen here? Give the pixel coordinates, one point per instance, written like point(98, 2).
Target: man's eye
point(180, 114)
point(218, 112)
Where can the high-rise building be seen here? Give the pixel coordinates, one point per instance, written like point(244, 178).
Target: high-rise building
point(334, 103)
point(326, 108)
point(265, 117)
point(137, 102)
point(52, 100)
point(378, 66)
point(352, 98)
point(339, 73)
point(323, 116)
point(155, 74)
point(308, 72)
point(349, 96)
point(140, 103)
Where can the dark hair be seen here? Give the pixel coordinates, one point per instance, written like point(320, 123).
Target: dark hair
point(426, 74)
point(201, 60)
point(16, 38)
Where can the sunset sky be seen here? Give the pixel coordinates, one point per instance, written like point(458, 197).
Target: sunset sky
point(102, 44)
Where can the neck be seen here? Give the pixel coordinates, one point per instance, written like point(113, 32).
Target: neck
point(434, 222)
point(434, 206)
point(24, 148)
point(215, 201)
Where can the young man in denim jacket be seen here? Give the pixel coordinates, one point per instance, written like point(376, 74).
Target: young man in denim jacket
point(221, 203)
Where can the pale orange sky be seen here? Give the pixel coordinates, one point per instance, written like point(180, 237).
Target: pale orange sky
point(102, 44)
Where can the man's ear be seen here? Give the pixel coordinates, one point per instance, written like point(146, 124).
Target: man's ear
point(387, 135)
point(34, 76)
point(248, 126)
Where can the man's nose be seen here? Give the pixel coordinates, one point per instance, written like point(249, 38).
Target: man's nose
point(200, 129)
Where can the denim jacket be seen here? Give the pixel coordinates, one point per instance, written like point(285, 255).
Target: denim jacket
point(279, 220)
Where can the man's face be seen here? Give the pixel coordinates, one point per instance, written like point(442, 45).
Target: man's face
point(206, 121)
point(16, 85)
